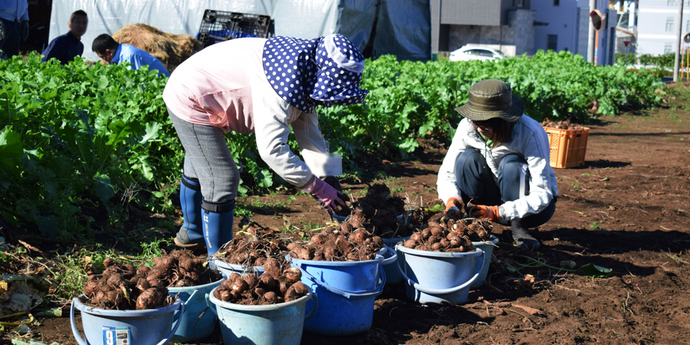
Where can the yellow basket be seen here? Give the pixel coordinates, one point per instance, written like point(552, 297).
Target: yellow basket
point(568, 147)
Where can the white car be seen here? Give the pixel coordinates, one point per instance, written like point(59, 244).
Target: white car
point(468, 52)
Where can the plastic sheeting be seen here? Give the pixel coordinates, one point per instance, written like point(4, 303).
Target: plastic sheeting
point(297, 18)
point(403, 29)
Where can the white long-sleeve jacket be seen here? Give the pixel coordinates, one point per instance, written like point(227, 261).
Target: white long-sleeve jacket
point(225, 86)
point(530, 141)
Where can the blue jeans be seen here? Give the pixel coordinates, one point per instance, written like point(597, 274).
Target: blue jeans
point(476, 182)
point(208, 159)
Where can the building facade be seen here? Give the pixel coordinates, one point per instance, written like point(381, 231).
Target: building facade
point(518, 27)
point(657, 26)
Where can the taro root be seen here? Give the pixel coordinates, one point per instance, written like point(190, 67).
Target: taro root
point(299, 252)
point(270, 297)
point(151, 298)
point(268, 290)
point(359, 236)
point(272, 267)
point(90, 287)
point(450, 235)
point(292, 274)
point(107, 262)
point(296, 291)
point(267, 282)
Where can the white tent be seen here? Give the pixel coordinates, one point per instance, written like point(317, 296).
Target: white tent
point(297, 18)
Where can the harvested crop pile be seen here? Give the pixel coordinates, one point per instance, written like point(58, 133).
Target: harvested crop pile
point(450, 232)
point(378, 212)
point(126, 287)
point(566, 124)
point(171, 49)
point(251, 289)
point(344, 243)
point(254, 245)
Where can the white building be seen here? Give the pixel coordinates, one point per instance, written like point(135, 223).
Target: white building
point(564, 25)
point(657, 25)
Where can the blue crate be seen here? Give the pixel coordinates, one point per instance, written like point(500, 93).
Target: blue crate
point(219, 26)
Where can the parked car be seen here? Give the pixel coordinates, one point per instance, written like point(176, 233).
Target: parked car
point(470, 52)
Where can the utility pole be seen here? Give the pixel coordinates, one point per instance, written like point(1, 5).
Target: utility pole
point(590, 40)
point(680, 34)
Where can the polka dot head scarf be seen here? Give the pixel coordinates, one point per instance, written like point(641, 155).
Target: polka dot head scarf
point(322, 71)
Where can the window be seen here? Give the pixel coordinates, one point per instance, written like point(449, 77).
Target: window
point(552, 42)
point(556, 2)
point(669, 24)
point(671, 2)
point(667, 48)
point(687, 26)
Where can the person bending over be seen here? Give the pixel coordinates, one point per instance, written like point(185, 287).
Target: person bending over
point(112, 52)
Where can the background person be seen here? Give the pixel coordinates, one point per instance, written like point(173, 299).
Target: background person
point(499, 159)
point(14, 26)
point(261, 86)
point(67, 46)
point(112, 52)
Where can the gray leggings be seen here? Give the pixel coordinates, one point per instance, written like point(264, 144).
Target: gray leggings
point(207, 158)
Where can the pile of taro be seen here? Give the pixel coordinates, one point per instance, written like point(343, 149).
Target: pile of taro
point(450, 232)
point(378, 213)
point(565, 124)
point(279, 283)
point(126, 287)
point(342, 243)
point(254, 245)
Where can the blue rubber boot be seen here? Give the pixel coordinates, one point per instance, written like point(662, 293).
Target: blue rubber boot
point(217, 221)
point(191, 234)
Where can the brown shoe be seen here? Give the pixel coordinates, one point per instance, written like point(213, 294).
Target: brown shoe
point(181, 240)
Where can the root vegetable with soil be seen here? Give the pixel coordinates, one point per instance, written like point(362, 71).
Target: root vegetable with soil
point(378, 213)
point(255, 245)
point(450, 232)
point(126, 287)
point(251, 289)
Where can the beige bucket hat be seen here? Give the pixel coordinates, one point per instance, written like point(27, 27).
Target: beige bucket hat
point(491, 98)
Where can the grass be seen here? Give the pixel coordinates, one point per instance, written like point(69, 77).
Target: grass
point(70, 271)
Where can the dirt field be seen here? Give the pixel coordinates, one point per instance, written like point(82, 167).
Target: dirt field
point(626, 209)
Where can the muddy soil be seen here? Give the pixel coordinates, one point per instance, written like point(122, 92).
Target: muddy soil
point(626, 209)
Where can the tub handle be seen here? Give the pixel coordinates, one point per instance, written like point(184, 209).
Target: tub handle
point(443, 291)
point(210, 305)
point(81, 340)
point(346, 293)
point(316, 304)
point(174, 329)
point(77, 336)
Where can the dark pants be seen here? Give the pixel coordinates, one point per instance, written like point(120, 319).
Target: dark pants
point(476, 182)
point(10, 44)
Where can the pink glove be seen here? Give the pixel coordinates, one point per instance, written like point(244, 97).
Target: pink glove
point(329, 197)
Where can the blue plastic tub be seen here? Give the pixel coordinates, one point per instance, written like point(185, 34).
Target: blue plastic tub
point(439, 277)
point(140, 327)
point(346, 291)
point(197, 321)
point(280, 323)
point(488, 248)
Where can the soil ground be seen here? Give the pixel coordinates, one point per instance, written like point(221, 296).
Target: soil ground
point(625, 209)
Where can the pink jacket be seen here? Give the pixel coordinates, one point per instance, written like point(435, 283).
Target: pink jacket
point(224, 86)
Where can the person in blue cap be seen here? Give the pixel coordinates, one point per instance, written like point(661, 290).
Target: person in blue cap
point(267, 87)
